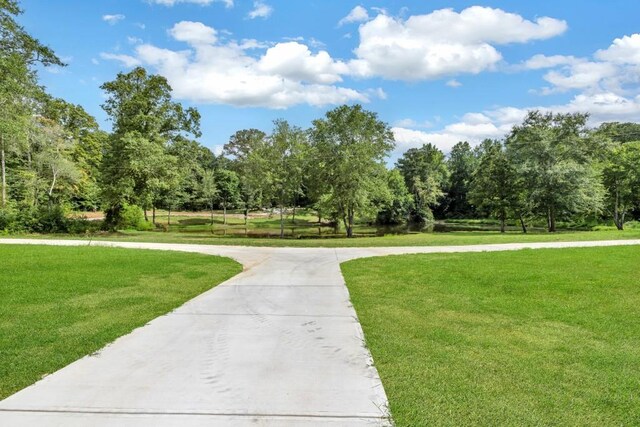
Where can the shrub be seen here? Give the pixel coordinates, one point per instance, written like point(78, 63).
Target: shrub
point(131, 217)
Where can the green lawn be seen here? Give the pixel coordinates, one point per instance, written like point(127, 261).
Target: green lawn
point(58, 304)
point(416, 239)
point(534, 337)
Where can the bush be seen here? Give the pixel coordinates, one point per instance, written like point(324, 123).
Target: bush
point(7, 219)
point(131, 217)
point(632, 225)
point(51, 220)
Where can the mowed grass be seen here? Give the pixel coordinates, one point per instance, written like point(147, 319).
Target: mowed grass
point(533, 337)
point(414, 239)
point(58, 304)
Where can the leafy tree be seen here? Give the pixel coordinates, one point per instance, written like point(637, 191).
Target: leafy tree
point(425, 173)
point(493, 188)
point(145, 121)
point(351, 144)
point(228, 191)
point(461, 165)
point(553, 155)
point(621, 175)
point(395, 208)
point(209, 189)
point(15, 41)
point(54, 159)
point(284, 158)
point(246, 147)
point(88, 145)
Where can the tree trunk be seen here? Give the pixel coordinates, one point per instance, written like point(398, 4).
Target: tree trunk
point(246, 216)
point(224, 213)
point(523, 225)
point(211, 213)
point(293, 220)
point(169, 216)
point(53, 185)
point(319, 217)
point(146, 217)
point(502, 224)
point(153, 214)
point(552, 220)
point(281, 221)
point(4, 174)
point(350, 223)
point(616, 212)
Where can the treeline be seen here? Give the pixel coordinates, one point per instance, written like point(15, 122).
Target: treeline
point(56, 160)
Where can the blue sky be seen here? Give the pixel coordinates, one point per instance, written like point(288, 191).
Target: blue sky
point(435, 75)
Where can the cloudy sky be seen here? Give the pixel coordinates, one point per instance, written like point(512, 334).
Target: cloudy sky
point(437, 71)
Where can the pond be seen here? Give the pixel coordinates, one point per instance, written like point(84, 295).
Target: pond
point(308, 230)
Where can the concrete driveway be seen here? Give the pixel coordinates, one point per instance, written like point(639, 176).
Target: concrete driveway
point(277, 345)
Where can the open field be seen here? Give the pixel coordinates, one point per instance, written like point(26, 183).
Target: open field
point(58, 304)
point(545, 337)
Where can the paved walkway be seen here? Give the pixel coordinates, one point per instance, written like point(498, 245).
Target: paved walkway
point(277, 345)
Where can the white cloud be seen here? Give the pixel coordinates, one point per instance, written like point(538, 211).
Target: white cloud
point(453, 83)
point(538, 62)
point(260, 10)
point(443, 42)
point(613, 70)
point(126, 60)
point(193, 33)
point(295, 61)
point(228, 3)
point(625, 50)
point(357, 14)
point(134, 40)
point(113, 19)
point(223, 72)
point(497, 123)
point(607, 88)
point(581, 75)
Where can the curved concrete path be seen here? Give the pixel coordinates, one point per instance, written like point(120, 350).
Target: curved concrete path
point(277, 345)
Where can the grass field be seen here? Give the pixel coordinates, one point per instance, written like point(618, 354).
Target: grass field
point(58, 304)
point(544, 337)
point(414, 239)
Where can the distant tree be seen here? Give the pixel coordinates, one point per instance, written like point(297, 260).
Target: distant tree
point(621, 174)
point(351, 144)
point(461, 164)
point(494, 189)
point(396, 206)
point(209, 190)
point(89, 142)
point(246, 147)
point(284, 157)
point(553, 154)
point(228, 191)
point(619, 132)
point(425, 173)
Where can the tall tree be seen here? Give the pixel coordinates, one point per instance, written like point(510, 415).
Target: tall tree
point(144, 115)
point(228, 191)
point(425, 173)
point(209, 190)
point(621, 174)
point(247, 148)
point(351, 144)
point(493, 188)
point(397, 201)
point(461, 164)
point(284, 156)
point(554, 155)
